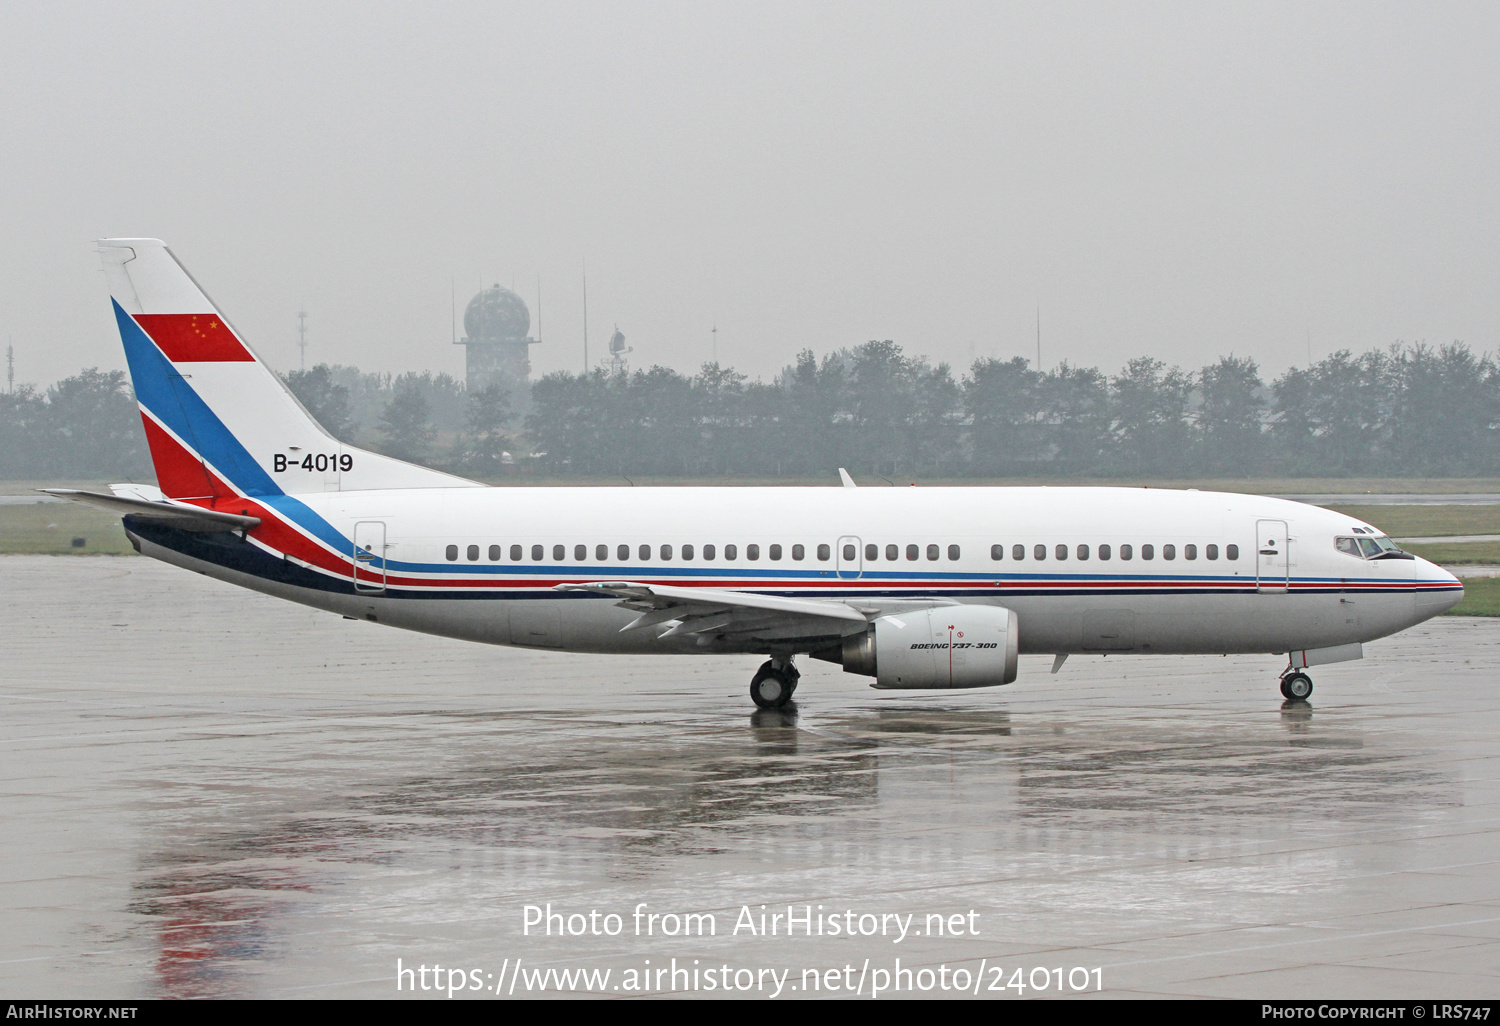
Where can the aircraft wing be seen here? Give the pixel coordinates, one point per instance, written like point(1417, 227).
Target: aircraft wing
point(172, 514)
point(719, 611)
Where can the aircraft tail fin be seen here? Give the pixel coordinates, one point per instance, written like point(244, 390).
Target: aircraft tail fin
point(219, 422)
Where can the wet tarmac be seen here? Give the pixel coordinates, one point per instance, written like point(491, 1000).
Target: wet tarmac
point(210, 793)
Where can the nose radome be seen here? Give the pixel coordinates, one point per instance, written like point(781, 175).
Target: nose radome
point(1441, 591)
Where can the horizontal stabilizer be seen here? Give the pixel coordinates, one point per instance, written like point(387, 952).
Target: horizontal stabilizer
point(171, 514)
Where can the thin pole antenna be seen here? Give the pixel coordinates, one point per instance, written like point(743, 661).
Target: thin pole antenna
point(539, 306)
point(714, 331)
point(585, 317)
point(10, 367)
point(1309, 347)
point(453, 305)
point(1039, 337)
point(302, 336)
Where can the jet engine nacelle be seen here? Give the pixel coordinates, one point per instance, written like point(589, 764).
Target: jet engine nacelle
point(945, 647)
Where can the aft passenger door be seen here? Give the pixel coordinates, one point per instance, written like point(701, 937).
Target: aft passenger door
point(1272, 552)
point(369, 556)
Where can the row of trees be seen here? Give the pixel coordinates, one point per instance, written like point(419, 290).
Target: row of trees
point(83, 426)
point(1402, 410)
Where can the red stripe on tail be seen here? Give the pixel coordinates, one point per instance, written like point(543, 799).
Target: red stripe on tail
point(179, 474)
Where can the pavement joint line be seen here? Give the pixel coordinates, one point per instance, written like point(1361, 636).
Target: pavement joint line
point(1342, 938)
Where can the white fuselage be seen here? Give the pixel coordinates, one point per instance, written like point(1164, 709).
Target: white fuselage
point(1225, 573)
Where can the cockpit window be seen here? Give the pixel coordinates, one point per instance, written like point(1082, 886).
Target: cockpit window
point(1369, 547)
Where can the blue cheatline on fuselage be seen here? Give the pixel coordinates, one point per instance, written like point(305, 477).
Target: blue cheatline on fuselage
point(231, 552)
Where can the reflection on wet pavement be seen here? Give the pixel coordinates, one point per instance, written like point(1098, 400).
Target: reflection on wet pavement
point(225, 795)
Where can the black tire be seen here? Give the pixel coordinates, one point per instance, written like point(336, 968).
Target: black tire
point(1296, 687)
point(770, 688)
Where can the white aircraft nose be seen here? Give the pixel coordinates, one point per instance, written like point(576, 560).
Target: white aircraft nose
point(1438, 590)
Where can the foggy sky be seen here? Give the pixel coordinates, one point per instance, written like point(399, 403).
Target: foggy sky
point(1180, 180)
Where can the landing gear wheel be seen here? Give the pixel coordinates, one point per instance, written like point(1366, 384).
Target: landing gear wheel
point(1296, 686)
point(772, 687)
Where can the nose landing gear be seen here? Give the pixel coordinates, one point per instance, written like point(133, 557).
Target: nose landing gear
point(1295, 685)
point(774, 683)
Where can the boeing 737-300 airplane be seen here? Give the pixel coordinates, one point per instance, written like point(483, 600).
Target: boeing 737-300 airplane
point(914, 587)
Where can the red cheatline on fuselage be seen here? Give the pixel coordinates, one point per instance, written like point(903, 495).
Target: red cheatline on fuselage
point(194, 338)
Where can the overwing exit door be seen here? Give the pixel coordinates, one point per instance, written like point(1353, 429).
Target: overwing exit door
point(1272, 556)
point(851, 561)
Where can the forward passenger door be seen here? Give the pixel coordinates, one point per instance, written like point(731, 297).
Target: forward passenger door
point(1272, 557)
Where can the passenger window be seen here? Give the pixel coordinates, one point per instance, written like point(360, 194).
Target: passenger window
point(645, 553)
point(1061, 552)
point(473, 553)
point(912, 552)
point(536, 553)
point(1104, 552)
point(1148, 552)
point(892, 552)
point(1190, 552)
point(1231, 552)
point(997, 551)
point(730, 552)
point(687, 552)
point(1018, 552)
point(872, 553)
point(1348, 546)
point(1211, 551)
point(580, 552)
point(515, 553)
point(623, 553)
point(601, 553)
point(1083, 552)
point(799, 552)
point(752, 551)
point(452, 552)
point(1169, 552)
point(494, 553)
point(559, 553)
point(1127, 552)
point(932, 552)
point(952, 551)
point(849, 554)
point(774, 552)
point(824, 553)
point(666, 553)
point(709, 552)
point(1039, 553)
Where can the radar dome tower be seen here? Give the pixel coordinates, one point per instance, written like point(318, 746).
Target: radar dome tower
point(496, 344)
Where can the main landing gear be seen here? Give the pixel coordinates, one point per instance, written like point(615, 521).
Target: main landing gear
point(773, 684)
point(1295, 685)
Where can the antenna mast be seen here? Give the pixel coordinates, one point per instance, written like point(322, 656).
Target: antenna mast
point(714, 331)
point(302, 336)
point(1039, 338)
point(585, 317)
point(10, 367)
